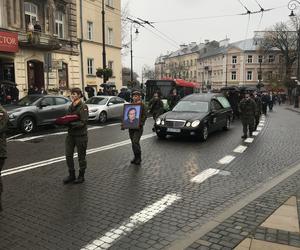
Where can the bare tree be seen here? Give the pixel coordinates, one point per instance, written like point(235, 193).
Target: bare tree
point(282, 37)
point(125, 29)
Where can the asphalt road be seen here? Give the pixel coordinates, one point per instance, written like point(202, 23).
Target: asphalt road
point(181, 185)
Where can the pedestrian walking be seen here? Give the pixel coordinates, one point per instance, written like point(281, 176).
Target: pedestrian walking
point(258, 102)
point(3, 152)
point(136, 134)
point(265, 99)
point(173, 99)
point(247, 108)
point(156, 107)
point(271, 101)
point(77, 137)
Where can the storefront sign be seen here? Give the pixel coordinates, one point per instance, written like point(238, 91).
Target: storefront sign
point(8, 41)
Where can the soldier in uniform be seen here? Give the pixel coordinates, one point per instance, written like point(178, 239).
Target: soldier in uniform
point(136, 134)
point(77, 137)
point(258, 102)
point(156, 107)
point(247, 108)
point(3, 153)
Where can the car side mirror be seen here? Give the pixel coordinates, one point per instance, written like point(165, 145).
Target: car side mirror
point(110, 104)
point(43, 105)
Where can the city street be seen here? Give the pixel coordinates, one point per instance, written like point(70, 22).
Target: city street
point(166, 203)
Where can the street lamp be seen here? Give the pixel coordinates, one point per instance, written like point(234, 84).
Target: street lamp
point(293, 5)
point(131, 52)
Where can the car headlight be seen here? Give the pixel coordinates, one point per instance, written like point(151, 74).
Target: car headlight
point(158, 121)
point(162, 122)
point(12, 116)
point(195, 123)
point(93, 110)
point(188, 124)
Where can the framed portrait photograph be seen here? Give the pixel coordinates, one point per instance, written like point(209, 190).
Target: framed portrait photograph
point(132, 116)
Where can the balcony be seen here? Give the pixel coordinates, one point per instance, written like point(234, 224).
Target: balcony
point(208, 68)
point(39, 41)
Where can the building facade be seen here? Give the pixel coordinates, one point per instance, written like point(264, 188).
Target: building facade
point(46, 53)
point(57, 44)
point(89, 32)
point(219, 64)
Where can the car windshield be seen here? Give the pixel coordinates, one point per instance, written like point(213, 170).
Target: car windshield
point(191, 106)
point(97, 100)
point(27, 100)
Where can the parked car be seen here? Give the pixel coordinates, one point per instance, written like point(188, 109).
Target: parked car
point(102, 108)
point(196, 115)
point(36, 110)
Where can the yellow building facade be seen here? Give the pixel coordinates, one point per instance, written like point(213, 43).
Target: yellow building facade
point(89, 30)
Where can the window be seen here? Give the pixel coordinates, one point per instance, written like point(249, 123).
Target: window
point(271, 58)
point(31, 13)
point(90, 66)
point(110, 3)
point(250, 57)
point(223, 101)
point(215, 105)
point(260, 58)
point(90, 30)
point(48, 101)
point(120, 100)
point(60, 101)
point(249, 75)
point(63, 76)
point(110, 37)
point(191, 62)
point(234, 59)
point(59, 24)
point(233, 75)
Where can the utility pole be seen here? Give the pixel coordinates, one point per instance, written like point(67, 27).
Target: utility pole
point(103, 39)
point(131, 56)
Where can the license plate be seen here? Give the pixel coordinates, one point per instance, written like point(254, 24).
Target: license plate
point(173, 130)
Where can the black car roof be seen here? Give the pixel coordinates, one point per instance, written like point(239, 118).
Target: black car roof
point(201, 97)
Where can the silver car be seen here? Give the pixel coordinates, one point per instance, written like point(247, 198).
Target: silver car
point(35, 110)
point(102, 108)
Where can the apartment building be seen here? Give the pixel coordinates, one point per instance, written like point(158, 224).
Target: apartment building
point(89, 30)
point(223, 63)
point(39, 44)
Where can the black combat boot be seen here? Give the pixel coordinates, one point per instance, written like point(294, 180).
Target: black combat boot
point(80, 178)
point(244, 137)
point(138, 160)
point(0, 202)
point(71, 178)
point(134, 159)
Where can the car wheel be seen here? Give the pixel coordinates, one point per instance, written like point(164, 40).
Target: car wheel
point(102, 117)
point(204, 133)
point(161, 135)
point(27, 124)
point(227, 125)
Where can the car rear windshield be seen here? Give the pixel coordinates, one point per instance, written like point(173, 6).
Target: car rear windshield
point(97, 100)
point(27, 100)
point(191, 106)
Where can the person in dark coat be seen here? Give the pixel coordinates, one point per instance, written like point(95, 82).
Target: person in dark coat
point(43, 91)
point(247, 108)
point(77, 137)
point(265, 99)
point(258, 102)
point(233, 98)
point(31, 90)
point(173, 99)
point(156, 107)
point(3, 152)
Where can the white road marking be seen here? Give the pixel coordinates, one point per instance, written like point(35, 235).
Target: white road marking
point(136, 220)
point(12, 137)
point(249, 140)
point(62, 158)
point(226, 159)
point(47, 135)
point(204, 175)
point(240, 149)
point(114, 124)
point(255, 133)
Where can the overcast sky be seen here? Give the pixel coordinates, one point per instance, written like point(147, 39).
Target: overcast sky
point(148, 46)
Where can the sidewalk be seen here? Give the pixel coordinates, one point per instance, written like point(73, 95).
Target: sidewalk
point(270, 222)
point(291, 108)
